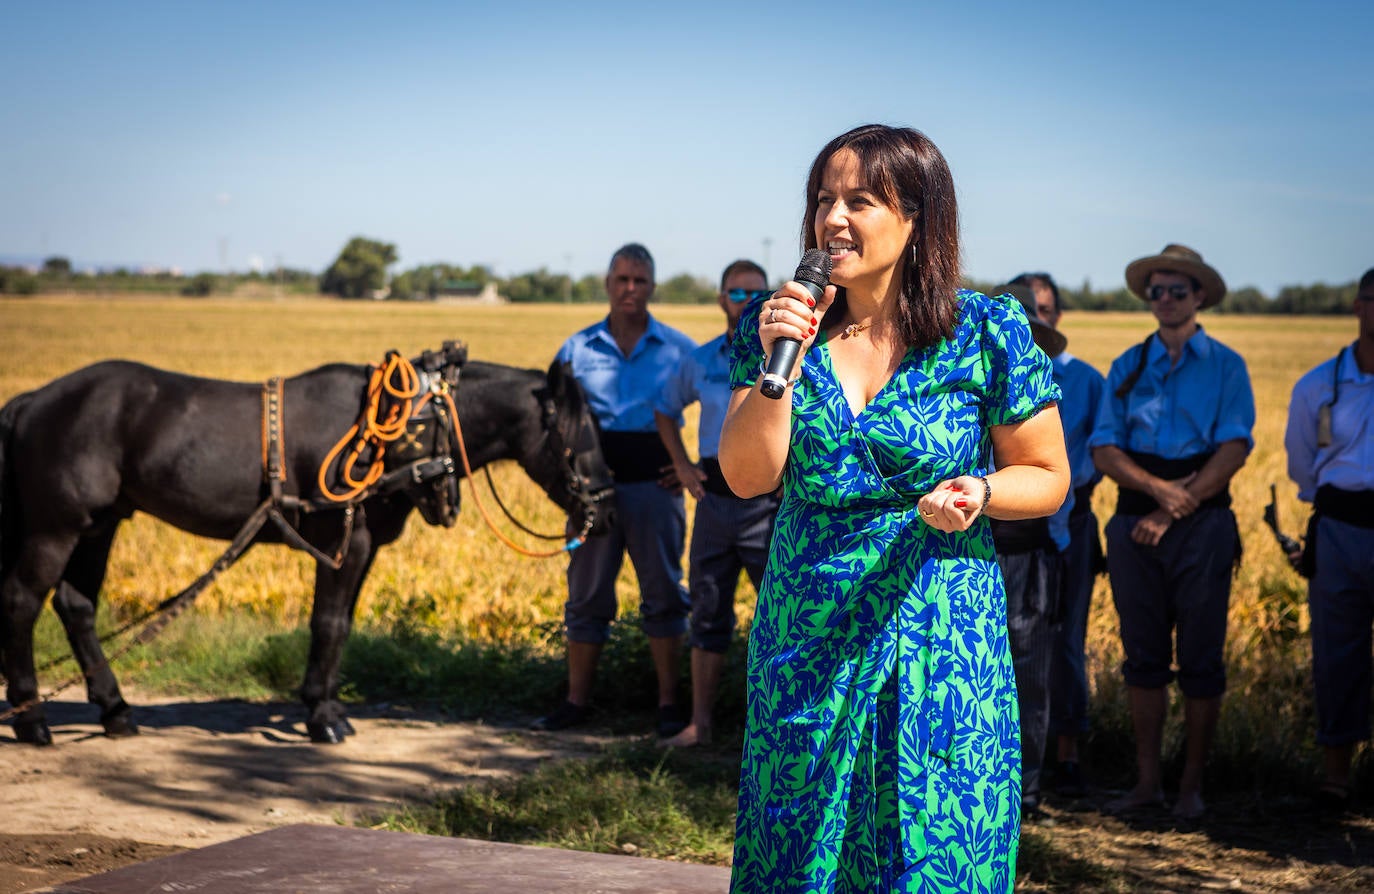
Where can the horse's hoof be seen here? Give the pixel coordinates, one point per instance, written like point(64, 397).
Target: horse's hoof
point(324, 733)
point(120, 727)
point(33, 732)
point(346, 728)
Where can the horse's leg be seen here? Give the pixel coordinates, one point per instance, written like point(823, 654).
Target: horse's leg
point(75, 600)
point(331, 618)
point(37, 568)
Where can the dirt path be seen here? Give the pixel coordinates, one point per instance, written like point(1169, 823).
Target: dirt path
point(205, 772)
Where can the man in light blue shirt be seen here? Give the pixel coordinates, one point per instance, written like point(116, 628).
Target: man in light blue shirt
point(729, 533)
point(1074, 531)
point(1030, 563)
point(1330, 443)
point(622, 364)
point(1174, 429)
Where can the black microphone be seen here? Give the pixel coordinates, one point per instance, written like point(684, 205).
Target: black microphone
point(814, 274)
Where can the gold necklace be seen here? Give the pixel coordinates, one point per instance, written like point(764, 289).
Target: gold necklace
point(854, 329)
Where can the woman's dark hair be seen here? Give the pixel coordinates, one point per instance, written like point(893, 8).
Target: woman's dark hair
point(905, 168)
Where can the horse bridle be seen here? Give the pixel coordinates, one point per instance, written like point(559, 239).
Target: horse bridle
point(589, 489)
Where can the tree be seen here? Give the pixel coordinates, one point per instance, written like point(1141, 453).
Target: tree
point(685, 289)
point(537, 285)
point(57, 267)
point(200, 285)
point(360, 268)
point(1247, 300)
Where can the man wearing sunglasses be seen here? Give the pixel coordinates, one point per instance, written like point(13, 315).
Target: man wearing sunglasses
point(728, 533)
point(1173, 429)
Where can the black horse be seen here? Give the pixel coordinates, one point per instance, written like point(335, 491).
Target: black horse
point(86, 451)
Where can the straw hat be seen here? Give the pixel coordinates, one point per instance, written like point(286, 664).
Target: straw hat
point(1049, 339)
point(1178, 259)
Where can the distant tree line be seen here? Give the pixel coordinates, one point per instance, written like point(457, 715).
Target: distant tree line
point(1314, 299)
point(362, 270)
point(57, 275)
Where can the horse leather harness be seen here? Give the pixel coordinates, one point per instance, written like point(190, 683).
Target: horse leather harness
point(438, 400)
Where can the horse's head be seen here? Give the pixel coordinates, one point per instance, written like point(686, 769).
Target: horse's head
point(576, 477)
point(425, 450)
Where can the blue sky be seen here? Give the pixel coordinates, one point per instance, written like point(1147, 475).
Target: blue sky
point(521, 135)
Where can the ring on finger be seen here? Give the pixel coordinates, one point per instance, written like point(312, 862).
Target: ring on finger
point(925, 514)
point(772, 315)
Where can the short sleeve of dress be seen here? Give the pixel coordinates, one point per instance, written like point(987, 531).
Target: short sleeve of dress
point(1020, 376)
point(746, 351)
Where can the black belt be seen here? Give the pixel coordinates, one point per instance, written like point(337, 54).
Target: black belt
point(1354, 507)
point(715, 481)
point(1022, 535)
point(634, 455)
point(1082, 500)
point(1136, 502)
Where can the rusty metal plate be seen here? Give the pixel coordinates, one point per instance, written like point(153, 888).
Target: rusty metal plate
point(343, 860)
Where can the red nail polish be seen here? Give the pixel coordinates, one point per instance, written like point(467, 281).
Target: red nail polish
point(811, 331)
point(810, 302)
point(813, 321)
point(961, 503)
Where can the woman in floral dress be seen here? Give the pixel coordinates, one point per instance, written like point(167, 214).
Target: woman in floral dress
point(882, 751)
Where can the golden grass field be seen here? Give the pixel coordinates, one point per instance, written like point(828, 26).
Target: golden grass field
point(463, 582)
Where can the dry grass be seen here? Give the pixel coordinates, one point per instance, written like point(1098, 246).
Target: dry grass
point(461, 581)
point(464, 583)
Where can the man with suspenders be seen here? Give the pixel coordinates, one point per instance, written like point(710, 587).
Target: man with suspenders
point(1029, 559)
point(1174, 428)
point(1074, 531)
point(1330, 444)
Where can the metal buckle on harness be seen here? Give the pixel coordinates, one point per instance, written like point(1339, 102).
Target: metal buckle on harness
point(424, 471)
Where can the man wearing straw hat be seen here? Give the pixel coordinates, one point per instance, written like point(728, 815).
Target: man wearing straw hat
point(1174, 428)
point(1029, 559)
point(1074, 531)
point(1331, 458)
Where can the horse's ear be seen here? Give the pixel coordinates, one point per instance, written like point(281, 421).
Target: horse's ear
point(557, 376)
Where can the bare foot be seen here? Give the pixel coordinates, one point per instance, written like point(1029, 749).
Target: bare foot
point(691, 736)
point(1189, 805)
point(1136, 799)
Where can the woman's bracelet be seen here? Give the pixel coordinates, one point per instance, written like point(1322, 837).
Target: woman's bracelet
point(763, 368)
point(987, 494)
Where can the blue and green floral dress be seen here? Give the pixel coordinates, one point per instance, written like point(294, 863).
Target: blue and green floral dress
point(883, 745)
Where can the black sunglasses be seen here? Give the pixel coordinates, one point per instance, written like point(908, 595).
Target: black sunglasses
point(1177, 291)
point(741, 295)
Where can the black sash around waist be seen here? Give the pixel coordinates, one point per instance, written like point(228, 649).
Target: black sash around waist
point(1135, 502)
point(634, 455)
point(1082, 500)
point(1021, 535)
point(715, 481)
point(1354, 507)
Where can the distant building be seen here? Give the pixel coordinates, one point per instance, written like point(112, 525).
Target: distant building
point(464, 291)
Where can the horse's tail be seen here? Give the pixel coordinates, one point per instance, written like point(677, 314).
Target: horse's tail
point(9, 416)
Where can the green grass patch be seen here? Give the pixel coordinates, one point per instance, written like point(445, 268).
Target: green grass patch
point(631, 799)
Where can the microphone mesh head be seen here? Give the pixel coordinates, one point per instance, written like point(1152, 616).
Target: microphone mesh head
point(814, 267)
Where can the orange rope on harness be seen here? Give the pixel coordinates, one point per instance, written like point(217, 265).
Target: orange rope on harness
point(395, 379)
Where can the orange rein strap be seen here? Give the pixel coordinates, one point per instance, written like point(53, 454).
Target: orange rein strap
point(477, 496)
point(397, 380)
